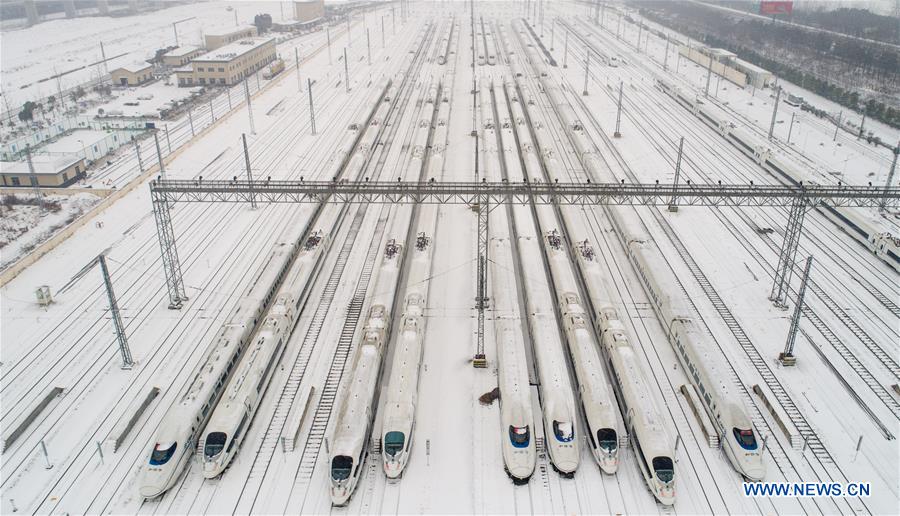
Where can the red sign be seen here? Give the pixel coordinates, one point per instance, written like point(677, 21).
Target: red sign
point(772, 7)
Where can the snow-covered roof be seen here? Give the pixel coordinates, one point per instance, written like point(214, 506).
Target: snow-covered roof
point(750, 67)
point(181, 51)
point(134, 67)
point(234, 50)
point(43, 164)
point(227, 31)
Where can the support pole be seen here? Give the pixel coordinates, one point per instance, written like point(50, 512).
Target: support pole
point(312, 110)
point(162, 166)
point(175, 29)
point(212, 115)
point(297, 66)
point(191, 122)
point(618, 27)
point(228, 95)
point(673, 204)
point(791, 128)
point(666, 59)
point(249, 173)
point(346, 72)
point(552, 33)
point(862, 127)
point(566, 51)
point(349, 38)
point(33, 177)
point(47, 463)
point(785, 267)
point(382, 31)
point(137, 150)
point(618, 134)
point(103, 56)
point(890, 176)
point(774, 112)
point(368, 46)
point(837, 127)
point(249, 106)
point(640, 32)
point(708, 77)
point(171, 263)
point(328, 35)
point(587, 66)
point(480, 361)
point(168, 141)
point(127, 361)
point(787, 357)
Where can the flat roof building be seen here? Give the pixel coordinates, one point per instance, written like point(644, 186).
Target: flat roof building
point(180, 56)
point(132, 74)
point(229, 64)
point(756, 76)
point(217, 39)
point(49, 171)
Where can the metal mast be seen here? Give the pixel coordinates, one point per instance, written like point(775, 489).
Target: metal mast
point(787, 357)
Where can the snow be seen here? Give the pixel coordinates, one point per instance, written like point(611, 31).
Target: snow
point(149, 98)
point(24, 226)
point(456, 463)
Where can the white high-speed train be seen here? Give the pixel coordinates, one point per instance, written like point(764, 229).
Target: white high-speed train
point(596, 400)
point(702, 365)
point(400, 407)
point(228, 424)
point(557, 399)
point(181, 426)
point(880, 242)
point(356, 413)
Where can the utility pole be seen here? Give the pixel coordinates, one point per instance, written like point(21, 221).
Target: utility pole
point(162, 166)
point(774, 112)
point(297, 65)
point(33, 177)
point(666, 59)
point(191, 122)
point(566, 51)
point(168, 141)
point(368, 46)
point(552, 33)
point(787, 357)
point(328, 35)
point(587, 64)
point(127, 361)
point(137, 150)
point(618, 27)
point(837, 127)
point(382, 31)
point(791, 128)
point(346, 72)
point(708, 76)
point(103, 55)
point(891, 172)
point(618, 134)
point(312, 110)
point(249, 106)
point(212, 115)
point(249, 173)
point(673, 206)
point(175, 29)
point(640, 31)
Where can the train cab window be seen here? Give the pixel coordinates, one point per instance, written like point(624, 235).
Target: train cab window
point(340, 467)
point(161, 454)
point(215, 441)
point(745, 438)
point(607, 439)
point(519, 436)
point(664, 469)
point(393, 442)
point(564, 431)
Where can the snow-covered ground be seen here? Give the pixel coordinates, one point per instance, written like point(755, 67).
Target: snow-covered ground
point(150, 99)
point(456, 465)
point(24, 224)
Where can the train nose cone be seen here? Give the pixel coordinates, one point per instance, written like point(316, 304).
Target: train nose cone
point(339, 495)
point(152, 486)
point(566, 466)
point(609, 465)
point(393, 468)
point(520, 471)
point(667, 496)
point(755, 471)
point(210, 469)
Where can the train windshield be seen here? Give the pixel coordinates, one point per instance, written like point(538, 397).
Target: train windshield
point(340, 467)
point(745, 438)
point(564, 431)
point(607, 439)
point(161, 454)
point(393, 442)
point(664, 469)
point(519, 436)
point(215, 442)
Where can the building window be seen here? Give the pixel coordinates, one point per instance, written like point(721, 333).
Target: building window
point(65, 176)
point(15, 181)
point(221, 81)
point(199, 68)
point(221, 69)
point(77, 169)
point(202, 80)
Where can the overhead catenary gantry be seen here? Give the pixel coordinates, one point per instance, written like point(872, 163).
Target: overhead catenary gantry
point(487, 194)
